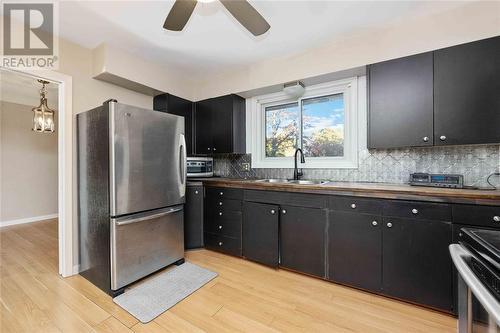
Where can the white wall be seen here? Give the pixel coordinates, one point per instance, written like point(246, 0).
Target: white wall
point(477, 20)
point(28, 187)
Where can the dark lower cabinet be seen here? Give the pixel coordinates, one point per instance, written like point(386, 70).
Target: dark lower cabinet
point(260, 233)
point(416, 262)
point(355, 249)
point(302, 239)
point(193, 217)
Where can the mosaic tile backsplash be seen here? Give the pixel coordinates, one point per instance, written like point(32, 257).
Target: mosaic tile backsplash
point(387, 166)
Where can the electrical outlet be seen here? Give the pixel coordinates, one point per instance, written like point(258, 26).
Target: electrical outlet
point(245, 166)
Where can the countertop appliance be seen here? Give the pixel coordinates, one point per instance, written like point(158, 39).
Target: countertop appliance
point(437, 180)
point(131, 191)
point(477, 260)
point(200, 167)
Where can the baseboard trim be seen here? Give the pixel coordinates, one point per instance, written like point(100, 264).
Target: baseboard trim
point(27, 220)
point(76, 269)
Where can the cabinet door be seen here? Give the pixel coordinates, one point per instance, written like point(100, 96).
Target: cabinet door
point(193, 217)
point(355, 250)
point(260, 233)
point(203, 127)
point(417, 266)
point(400, 102)
point(302, 240)
point(466, 93)
point(222, 125)
point(184, 108)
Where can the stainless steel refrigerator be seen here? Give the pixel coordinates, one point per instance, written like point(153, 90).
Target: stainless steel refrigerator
point(131, 191)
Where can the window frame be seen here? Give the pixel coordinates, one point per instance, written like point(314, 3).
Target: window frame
point(257, 107)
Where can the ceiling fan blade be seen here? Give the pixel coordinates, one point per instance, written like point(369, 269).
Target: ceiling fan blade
point(244, 13)
point(179, 15)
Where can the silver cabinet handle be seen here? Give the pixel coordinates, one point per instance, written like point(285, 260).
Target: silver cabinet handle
point(220, 213)
point(425, 138)
point(374, 223)
point(284, 211)
point(414, 211)
point(221, 193)
point(389, 225)
point(220, 227)
point(220, 203)
point(196, 192)
point(273, 211)
point(353, 206)
point(442, 137)
point(220, 243)
point(496, 218)
point(208, 148)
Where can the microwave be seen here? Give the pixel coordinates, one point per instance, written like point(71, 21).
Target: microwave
point(200, 167)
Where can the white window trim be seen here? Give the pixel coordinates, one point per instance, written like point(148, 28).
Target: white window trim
point(256, 114)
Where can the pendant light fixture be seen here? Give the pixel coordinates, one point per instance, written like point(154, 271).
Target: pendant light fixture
point(43, 116)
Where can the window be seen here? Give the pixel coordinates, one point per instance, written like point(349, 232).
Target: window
point(322, 123)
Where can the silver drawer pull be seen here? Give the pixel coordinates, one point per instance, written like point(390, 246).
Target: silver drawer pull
point(353, 206)
point(414, 211)
point(196, 192)
point(374, 223)
point(273, 211)
point(221, 193)
point(220, 213)
point(426, 139)
point(496, 218)
point(220, 243)
point(220, 203)
point(220, 227)
point(389, 225)
point(442, 137)
point(284, 211)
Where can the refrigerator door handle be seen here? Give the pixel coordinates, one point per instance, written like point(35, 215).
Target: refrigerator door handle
point(182, 164)
point(149, 217)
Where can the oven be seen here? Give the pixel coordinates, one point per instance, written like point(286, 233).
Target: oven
point(477, 260)
point(198, 167)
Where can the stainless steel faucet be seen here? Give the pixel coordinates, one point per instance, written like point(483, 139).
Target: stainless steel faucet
point(296, 173)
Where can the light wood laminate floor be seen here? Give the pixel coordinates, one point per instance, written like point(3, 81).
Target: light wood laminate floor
point(244, 297)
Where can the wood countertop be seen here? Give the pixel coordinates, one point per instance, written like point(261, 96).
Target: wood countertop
point(374, 190)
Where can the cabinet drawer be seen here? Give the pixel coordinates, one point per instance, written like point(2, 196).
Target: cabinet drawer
point(286, 198)
point(488, 216)
point(418, 210)
point(217, 204)
point(223, 192)
point(226, 225)
point(223, 244)
point(357, 205)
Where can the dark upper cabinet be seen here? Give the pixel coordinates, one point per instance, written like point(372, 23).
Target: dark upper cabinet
point(355, 249)
point(401, 102)
point(467, 93)
point(220, 125)
point(416, 261)
point(445, 97)
point(260, 233)
point(193, 217)
point(181, 107)
point(302, 239)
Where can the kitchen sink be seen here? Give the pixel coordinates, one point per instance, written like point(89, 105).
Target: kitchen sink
point(308, 182)
point(273, 180)
point(292, 181)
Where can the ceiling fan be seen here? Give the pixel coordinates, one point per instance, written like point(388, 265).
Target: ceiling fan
point(242, 11)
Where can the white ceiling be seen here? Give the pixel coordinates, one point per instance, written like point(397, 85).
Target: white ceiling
point(24, 89)
point(213, 40)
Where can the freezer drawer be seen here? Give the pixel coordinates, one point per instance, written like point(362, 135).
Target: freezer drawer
point(143, 243)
